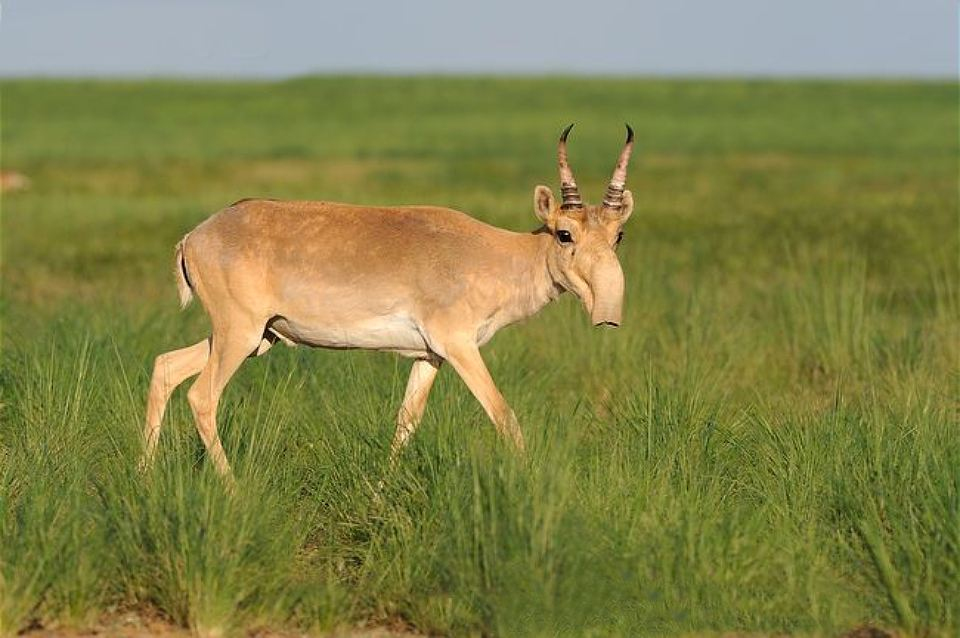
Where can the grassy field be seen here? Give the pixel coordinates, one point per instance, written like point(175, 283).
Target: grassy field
point(770, 444)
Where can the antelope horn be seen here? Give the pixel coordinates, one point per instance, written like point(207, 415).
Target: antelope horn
point(613, 199)
point(569, 192)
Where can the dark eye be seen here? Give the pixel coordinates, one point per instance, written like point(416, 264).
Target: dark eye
point(564, 236)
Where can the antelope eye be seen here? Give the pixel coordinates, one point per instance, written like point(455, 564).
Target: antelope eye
point(564, 236)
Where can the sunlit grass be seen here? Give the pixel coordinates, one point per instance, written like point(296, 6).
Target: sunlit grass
point(770, 444)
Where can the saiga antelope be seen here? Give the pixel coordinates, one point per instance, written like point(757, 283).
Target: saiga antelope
point(432, 284)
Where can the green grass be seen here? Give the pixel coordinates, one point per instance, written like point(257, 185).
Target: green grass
point(770, 444)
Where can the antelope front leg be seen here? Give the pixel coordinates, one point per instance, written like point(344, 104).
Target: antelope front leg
point(466, 360)
point(422, 374)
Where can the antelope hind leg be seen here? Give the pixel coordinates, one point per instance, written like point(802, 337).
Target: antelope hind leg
point(229, 349)
point(169, 371)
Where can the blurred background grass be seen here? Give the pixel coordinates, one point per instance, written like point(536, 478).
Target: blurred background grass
point(769, 444)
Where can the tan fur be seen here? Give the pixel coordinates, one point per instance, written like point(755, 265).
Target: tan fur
point(428, 283)
point(184, 290)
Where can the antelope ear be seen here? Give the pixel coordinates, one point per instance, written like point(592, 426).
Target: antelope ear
point(627, 207)
point(543, 203)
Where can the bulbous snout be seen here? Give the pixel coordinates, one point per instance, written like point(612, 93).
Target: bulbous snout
point(606, 284)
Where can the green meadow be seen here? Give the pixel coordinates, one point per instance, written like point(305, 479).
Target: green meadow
point(769, 445)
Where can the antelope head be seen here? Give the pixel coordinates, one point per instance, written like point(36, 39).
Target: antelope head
point(582, 257)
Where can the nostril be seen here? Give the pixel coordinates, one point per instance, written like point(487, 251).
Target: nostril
point(607, 324)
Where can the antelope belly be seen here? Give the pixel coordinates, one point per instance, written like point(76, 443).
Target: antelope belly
point(389, 332)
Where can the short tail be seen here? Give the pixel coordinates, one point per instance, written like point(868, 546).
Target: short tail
point(184, 288)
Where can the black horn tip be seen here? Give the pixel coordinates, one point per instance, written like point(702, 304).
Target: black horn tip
point(629, 133)
point(566, 131)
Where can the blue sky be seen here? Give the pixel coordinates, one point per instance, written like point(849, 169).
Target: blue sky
point(281, 38)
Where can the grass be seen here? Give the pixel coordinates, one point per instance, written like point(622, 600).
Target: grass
point(770, 444)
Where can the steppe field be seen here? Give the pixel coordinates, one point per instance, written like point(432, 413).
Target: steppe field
point(768, 446)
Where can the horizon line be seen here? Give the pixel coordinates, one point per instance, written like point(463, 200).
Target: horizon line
point(449, 74)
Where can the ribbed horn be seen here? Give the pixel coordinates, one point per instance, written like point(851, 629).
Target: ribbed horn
point(569, 192)
point(613, 199)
